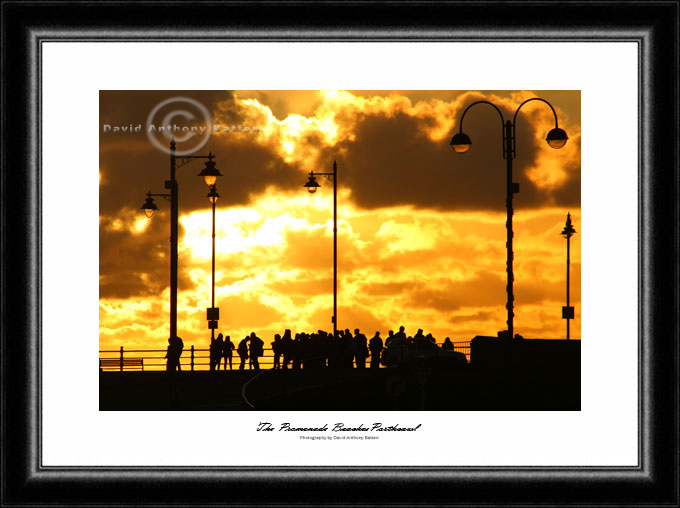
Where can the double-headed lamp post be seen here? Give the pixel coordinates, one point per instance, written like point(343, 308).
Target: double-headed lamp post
point(210, 174)
point(568, 311)
point(311, 186)
point(461, 143)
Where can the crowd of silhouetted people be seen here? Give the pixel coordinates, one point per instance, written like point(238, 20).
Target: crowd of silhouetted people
point(317, 350)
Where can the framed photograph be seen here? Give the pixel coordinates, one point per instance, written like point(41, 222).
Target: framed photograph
point(357, 285)
point(298, 158)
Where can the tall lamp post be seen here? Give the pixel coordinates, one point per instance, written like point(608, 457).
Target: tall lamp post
point(461, 143)
point(215, 311)
point(311, 186)
point(210, 174)
point(568, 311)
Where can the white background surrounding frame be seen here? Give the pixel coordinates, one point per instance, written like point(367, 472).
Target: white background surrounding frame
point(603, 433)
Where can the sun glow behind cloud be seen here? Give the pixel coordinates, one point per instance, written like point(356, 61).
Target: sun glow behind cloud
point(441, 271)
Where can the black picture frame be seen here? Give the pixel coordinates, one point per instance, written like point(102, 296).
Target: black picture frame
point(653, 26)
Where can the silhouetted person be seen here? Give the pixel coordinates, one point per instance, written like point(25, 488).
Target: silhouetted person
point(287, 348)
point(276, 349)
point(256, 350)
point(227, 351)
point(401, 334)
point(216, 347)
point(169, 364)
point(334, 350)
point(316, 351)
point(448, 345)
point(347, 350)
point(419, 335)
point(296, 350)
point(390, 336)
point(375, 345)
point(360, 349)
point(175, 348)
point(430, 338)
point(242, 351)
point(326, 347)
point(212, 353)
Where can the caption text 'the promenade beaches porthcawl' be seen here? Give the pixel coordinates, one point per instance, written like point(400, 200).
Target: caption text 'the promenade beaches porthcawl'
point(337, 427)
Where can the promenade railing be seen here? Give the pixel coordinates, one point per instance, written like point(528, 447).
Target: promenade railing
point(194, 359)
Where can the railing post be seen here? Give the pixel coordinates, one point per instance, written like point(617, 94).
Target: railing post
point(192, 358)
point(121, 358)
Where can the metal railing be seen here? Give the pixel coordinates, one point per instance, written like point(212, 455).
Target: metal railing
point(199, 358)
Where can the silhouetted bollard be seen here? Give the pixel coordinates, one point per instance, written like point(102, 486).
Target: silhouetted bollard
point(121, 358)
point(192, 358)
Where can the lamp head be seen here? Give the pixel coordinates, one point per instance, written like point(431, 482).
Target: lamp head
point(557, 138)
point(210, 172)
point(312, 184)
point(460, 142)
point(568, 230)
point(149, 206)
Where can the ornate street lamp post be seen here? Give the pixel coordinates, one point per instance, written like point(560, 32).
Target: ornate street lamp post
point(461, 143)
point(210, 174)
point(311, 186)
point(568, 311)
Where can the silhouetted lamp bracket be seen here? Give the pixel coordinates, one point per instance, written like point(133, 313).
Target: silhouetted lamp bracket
point(210, 172)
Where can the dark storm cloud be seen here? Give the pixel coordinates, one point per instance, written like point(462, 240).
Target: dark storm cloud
point(248, 168)
point(125, 107)
point(391, 162)
point(131, 165)
point(135, 264)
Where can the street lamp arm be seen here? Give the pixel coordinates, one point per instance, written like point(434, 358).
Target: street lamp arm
point(330, 176)
point(186, 159)
point(514, 118)
point(462, 117)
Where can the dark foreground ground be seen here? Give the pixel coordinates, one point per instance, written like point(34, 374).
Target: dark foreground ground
point(501, 376)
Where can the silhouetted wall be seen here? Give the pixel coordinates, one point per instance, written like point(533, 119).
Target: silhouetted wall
point(525, 354)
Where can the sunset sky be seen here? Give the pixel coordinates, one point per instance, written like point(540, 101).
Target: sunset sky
point(421, 230)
